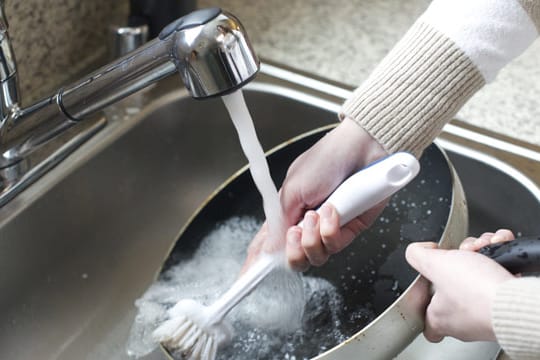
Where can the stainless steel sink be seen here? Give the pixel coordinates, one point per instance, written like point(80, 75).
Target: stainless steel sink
point(80, 245)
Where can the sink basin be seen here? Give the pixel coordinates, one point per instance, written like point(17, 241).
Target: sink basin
point(80, 245)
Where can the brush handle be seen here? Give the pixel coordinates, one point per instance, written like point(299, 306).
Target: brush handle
point(517, 256)
point(359, 193)
point(373, 184)
point(264, 264)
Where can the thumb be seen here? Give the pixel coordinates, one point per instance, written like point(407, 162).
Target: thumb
point(419, 256)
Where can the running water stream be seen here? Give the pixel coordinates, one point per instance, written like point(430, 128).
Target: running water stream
point(258, 167)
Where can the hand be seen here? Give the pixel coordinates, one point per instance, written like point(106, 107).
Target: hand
point(464, 285)
point(487, 238)
point(309, 181)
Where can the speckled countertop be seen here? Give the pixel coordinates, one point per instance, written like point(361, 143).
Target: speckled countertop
point(343, 40)
point(56, 41)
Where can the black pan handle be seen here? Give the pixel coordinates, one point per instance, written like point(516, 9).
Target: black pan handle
point(517, 256)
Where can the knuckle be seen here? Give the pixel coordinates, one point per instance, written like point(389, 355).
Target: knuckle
point(435, 323)
point(311, 245)
point(298, 263)
point(318, 260)
point(331, 246)
point(433, 336)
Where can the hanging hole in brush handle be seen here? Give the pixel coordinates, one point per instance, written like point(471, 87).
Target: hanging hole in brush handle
point(373, 184)
point(518, 256)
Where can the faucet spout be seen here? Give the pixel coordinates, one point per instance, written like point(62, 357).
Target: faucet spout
point(209, 48)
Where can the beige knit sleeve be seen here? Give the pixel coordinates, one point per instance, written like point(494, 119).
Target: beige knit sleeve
point(418, 87)
point(440, 63)
point(532, 7)
point(516, 318)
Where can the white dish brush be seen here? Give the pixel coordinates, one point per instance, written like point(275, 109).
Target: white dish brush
point(196, 330)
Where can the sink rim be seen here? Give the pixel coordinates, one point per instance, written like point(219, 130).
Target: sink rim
point(279, 80)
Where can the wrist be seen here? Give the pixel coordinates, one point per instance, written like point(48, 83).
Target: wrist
point(362, 143)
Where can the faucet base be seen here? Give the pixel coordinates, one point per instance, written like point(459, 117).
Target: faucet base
point(16, 178)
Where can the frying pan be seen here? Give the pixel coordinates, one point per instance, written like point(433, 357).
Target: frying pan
point(382, 300)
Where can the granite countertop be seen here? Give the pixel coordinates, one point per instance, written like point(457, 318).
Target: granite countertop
point(343, 40)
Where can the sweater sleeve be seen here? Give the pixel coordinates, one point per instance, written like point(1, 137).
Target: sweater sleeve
point(450, 52)
point(516, 318)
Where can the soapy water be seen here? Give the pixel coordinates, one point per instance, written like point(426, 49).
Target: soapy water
point(288, 316)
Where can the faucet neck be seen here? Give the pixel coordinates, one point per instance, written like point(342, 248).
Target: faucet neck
point(208, 48)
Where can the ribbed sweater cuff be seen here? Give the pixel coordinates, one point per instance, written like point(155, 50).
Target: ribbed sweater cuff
point(516, 318)
point(417, 88)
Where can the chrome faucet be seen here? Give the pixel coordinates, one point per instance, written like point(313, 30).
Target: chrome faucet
point(208, 48)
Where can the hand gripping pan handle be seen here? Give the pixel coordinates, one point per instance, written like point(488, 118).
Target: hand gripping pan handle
point(517, 256)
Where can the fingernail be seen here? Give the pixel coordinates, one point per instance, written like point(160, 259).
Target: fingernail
point(310, 219)
point(479, 241)
point(325, 211)
point(496, 239)
point(294, 237)
point(425, 245)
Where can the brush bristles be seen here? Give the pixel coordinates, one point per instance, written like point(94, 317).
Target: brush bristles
point(180, 334)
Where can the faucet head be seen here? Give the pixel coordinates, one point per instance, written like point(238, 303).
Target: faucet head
point(212, 52)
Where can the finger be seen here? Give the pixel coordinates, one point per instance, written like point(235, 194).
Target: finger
point(474, 243)
point(256, 244)
point(431, 332)
point(335, 238)
point(487, 238)
point(502, 235)
point(422, 293)
point(311, 239)
point(294, 251)
point(468, 244)
point(432, 336)
point(482, 240)
point(255, 247)
point(292, 203)
point(330, 231)
point(418, 255)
